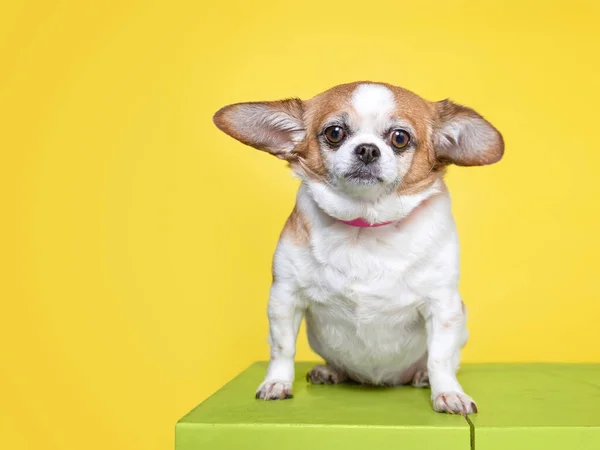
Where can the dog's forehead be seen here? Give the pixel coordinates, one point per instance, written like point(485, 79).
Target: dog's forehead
point(367, 101)
point(373, 101)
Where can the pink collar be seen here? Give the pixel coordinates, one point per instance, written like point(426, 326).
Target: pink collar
point(362, 223)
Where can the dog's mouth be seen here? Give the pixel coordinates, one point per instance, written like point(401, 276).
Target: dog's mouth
point(363, 175)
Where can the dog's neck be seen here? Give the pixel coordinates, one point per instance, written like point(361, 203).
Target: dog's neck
point(385, 210)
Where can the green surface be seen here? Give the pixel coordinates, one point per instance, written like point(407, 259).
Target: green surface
point(536, 406)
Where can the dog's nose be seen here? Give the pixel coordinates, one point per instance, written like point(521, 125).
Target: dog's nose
point(367, 153)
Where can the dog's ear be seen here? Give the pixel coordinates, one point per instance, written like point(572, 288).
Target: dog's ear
point(465, 138)
point(275, 127)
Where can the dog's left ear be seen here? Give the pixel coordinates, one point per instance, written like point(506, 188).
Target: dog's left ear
point(465, 138)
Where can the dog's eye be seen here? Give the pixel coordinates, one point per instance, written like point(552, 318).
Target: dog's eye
point(400, 139)
point(335, 134)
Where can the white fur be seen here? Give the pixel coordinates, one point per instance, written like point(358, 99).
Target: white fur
point(284, 122)
point(383, 208)
point(378, 302)
point(375, 299)
point(374, 104)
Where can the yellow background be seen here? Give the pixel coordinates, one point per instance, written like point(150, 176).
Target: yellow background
point(136, 239)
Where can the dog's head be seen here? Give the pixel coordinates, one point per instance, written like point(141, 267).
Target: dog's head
point(366, 140)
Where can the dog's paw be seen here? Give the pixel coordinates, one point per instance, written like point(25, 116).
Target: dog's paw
point(454, 403)
point(274, 390)
point(421, 379)
point(324, 375)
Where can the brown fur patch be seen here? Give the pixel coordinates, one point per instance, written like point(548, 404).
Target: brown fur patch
point(424, 169)
point(316, 112)
point(307, 159)
point(297, 228)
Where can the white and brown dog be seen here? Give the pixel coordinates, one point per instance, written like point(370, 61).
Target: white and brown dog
point(369, 255)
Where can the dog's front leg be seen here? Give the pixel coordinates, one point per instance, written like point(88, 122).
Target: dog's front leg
point(446, 335)
point(285, 313)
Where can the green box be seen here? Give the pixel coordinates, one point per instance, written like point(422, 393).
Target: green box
point(521, 407)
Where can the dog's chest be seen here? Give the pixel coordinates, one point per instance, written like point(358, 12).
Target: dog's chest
point(362, 313)
point(360, 277)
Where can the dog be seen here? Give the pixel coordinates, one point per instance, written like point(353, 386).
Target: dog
point(369, 256)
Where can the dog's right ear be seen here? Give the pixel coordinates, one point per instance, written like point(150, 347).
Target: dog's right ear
point(275, 127)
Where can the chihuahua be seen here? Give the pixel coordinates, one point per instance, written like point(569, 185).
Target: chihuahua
point(369, 255)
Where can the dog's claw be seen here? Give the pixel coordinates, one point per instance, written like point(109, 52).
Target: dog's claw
point(454, 403)
point(274, 390)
